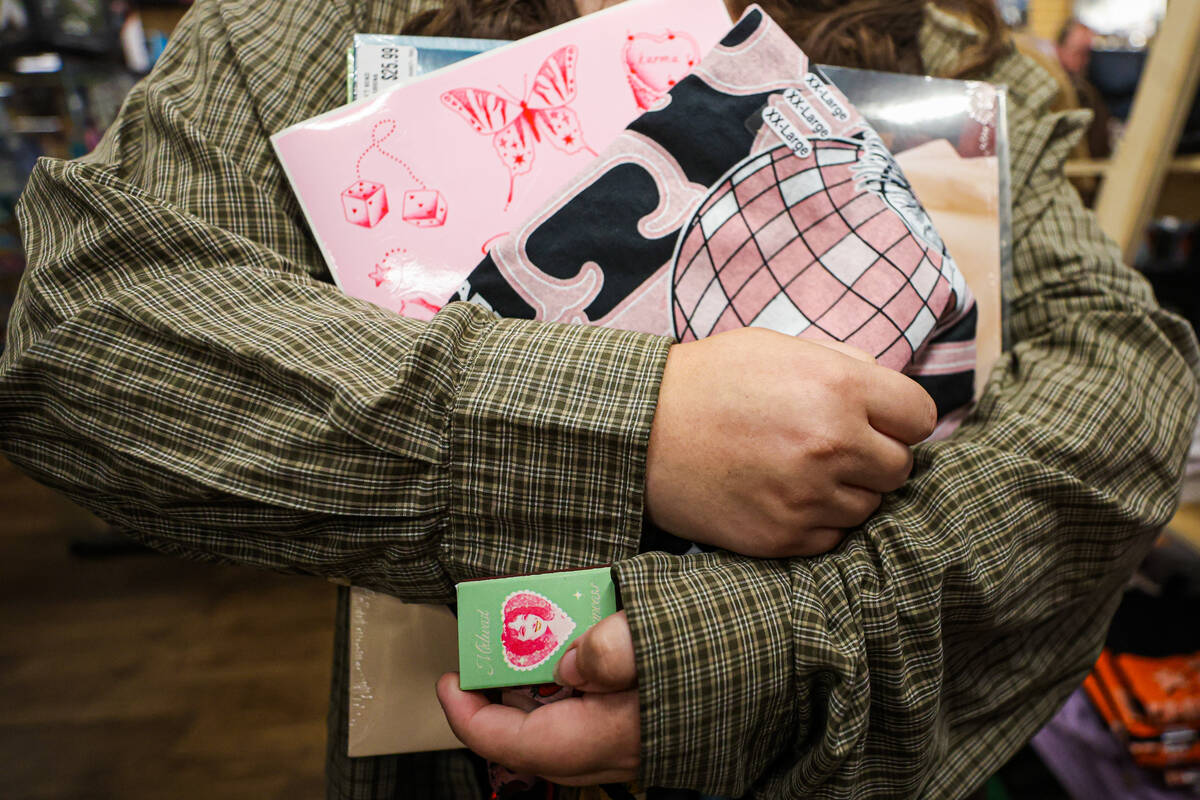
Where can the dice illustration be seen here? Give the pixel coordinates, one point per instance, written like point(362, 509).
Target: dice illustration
point(365, 203)
point(425, 208)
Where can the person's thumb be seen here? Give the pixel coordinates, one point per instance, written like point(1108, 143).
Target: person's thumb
point(600, 660)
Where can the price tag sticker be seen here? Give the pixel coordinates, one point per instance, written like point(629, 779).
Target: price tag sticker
point(379, 67)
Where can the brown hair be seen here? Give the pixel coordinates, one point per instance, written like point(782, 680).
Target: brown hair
point(491, 19)
point(872, 34)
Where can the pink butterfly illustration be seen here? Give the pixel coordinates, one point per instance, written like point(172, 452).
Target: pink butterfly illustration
point(516, 125)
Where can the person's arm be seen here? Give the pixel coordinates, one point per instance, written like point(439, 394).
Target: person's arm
point(917, 657)
point(178, 362)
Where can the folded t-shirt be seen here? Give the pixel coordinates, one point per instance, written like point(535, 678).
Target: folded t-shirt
point(755, 196)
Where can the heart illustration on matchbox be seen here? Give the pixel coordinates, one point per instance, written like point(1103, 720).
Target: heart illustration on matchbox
point(656, 62)
point(513, 630)
point(534, 629)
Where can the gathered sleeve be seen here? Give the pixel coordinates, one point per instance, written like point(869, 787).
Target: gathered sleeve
point(913, 660)
point(179, 362)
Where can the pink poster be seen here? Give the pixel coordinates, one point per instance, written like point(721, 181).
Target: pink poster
point(406, 190)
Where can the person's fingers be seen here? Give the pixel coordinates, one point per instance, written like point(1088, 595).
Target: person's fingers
point(882, 465)
point(522, 701)
point(849, 350)
point(898, 406)
point(588, 734)
point(848, 506)
point(494, 731)
point(814, 542)
point(474, 719)
point(600, 660)
point(604, 733)
point(573, 737)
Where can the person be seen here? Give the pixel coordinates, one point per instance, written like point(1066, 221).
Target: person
point(1073, 48)
point(180, 362)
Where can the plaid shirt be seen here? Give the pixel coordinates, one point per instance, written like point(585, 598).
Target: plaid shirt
point(180, 362)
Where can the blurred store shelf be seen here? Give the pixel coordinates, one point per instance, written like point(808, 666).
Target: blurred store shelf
point(1180, 193)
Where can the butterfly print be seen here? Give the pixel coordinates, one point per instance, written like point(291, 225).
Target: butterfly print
point(516, 126)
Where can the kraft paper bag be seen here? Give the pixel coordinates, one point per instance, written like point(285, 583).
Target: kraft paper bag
point(397, 652)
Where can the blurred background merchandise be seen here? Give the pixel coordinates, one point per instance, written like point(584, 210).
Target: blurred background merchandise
point(130, 675)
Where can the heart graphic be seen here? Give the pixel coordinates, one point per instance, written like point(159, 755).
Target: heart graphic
point(534, 629)
point(654, 63)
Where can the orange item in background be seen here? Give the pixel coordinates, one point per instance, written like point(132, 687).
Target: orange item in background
point(1103, 703)
point(1128, 718)
point(1167, 688)
point(1151, 745)
point(1164, 754)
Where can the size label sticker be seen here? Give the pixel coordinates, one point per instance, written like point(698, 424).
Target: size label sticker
point(786, 131)
point(827, 97)
point(807, 114)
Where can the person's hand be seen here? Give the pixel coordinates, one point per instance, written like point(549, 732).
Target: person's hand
point(768, 445)
point(580, 741)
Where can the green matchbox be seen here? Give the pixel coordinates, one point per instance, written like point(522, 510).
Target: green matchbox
point(512, 631)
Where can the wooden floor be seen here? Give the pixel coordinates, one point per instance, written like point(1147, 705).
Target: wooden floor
point(143, 676)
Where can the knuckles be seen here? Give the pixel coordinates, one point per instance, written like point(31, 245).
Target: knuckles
point(797, 501)
point(928, 414)
point(870, 505)
point(819, 543)
point(896, 474)
point(931, 418)
point(821, 446)
point(837, 381)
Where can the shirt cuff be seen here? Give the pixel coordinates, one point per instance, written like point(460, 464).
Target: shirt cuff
point(547, 447)
point(712, 638)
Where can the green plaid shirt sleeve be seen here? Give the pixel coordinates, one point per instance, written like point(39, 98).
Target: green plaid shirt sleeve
point(180, 362)
point(917, 657)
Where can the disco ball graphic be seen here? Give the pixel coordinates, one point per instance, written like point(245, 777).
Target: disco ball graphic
point(798, 245)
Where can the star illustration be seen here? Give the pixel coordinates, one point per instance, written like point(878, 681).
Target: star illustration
point(379, 275)
point(578, 595)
